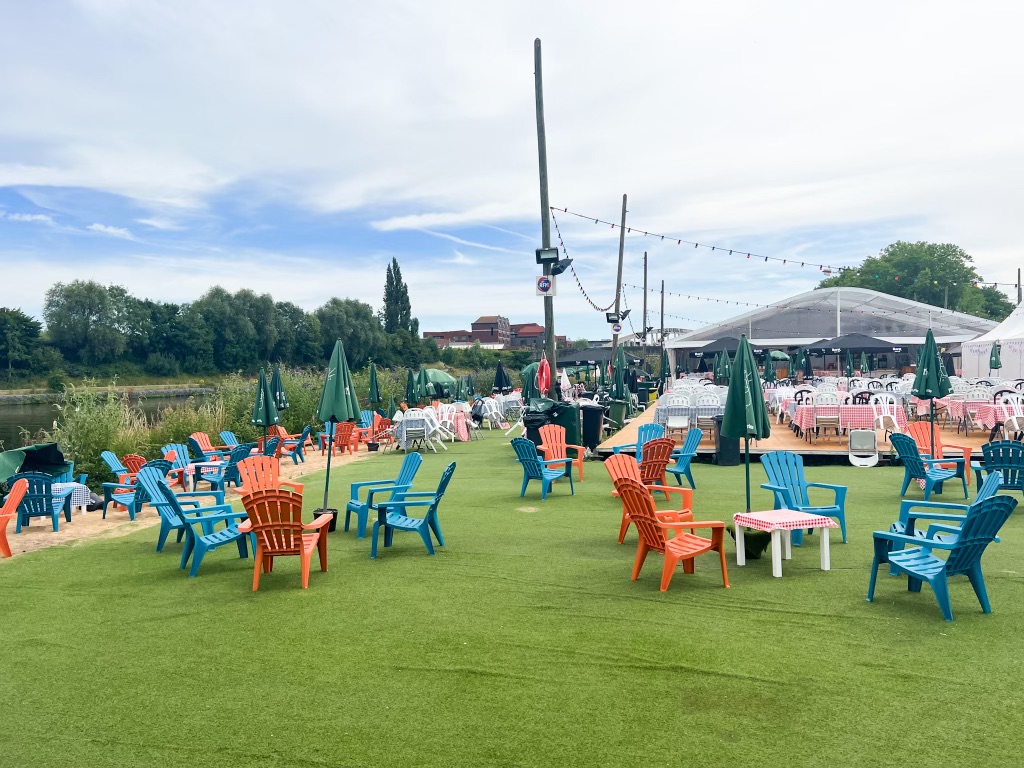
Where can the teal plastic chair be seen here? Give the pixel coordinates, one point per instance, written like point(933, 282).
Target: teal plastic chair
point(644, 435)
point(394, 487)
point(988, 489)
point(1005, 457)
point(917, 560)
point(180, 461)
point(270, 446)
point(685, 455)
point(391, 515)
point(227, 437)
point(365, 419)
point(536, 468)
point(131, 496)
point(295, 446)
point(40, 500)
point(201, 454)
point(197, 542)
point(228, 473)
point(116, 466)
point(787, 482)
point(69, 476)
point(918, 467)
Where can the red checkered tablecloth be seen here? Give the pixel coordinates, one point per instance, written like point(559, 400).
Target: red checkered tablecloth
point(850, 416)
point(782, 519)
point(988, 414)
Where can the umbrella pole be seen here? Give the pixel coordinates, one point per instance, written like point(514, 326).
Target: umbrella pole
point(931, 409)
point(330, 450)
point(746, 455)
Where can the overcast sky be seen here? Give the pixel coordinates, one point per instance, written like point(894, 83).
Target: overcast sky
point(295, 147)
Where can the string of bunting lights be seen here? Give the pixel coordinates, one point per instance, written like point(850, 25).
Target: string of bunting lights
point(825, 268)
point(576, 277)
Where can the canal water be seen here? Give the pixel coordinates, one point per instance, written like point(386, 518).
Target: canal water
point(36, 416)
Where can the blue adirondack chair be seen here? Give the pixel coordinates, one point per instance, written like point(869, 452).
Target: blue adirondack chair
point(1005, 457)
point(644, 434)
point(987, 489)
point(270, 446)
point(365, 419)
point(197, 449)
point(918, 467)
point(227, 437)
point(180, 461)
point(536, 468)
point(228, 473)
point(394, 487)
point(131, 496)
point(391, 514)
point(979, 528)
point(69, 476)
point(119, 469)
point(685, 455)
point(40, 500)
point(786, 481)
point(174, 517)
point(295, 446)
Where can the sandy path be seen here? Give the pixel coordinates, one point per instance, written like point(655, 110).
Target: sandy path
point(91, 525)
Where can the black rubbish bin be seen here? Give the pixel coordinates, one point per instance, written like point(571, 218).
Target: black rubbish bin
point(567, 415)
point(533, 421)
point(593, 420)
point(727, 449)
point(643, 391)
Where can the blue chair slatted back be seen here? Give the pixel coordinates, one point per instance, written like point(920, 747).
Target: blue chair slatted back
point(442, 486)
point(230, 471)
point(526, 453)
point(163, 466)
point(111, 460)
point(1006, 456)
point(693, 438)
point(366, 419)
point(38, 499)
point(410, 466)
point(908, 453)
point(990, 487)
point(644, 435)
point(979, 529)
point(270, 447)
point(151, 479)
point(786, 469)
point(228, 438)
point(181, 456)
point(197, 449)
point(302, 438)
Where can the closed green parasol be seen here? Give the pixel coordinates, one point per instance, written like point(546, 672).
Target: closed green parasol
point(994, 363)
point(931, 381)
point(619, 390)
point(374, 395)
point(277, 388)
point(264, 412)
point(410, 389)
point(529, 376)
point(849, 364)
point(424, 390)
point(865, 363)
point(746, 415)
point(502, 381)
point(338, 402)
point(666, 368)
point(392, 407)
point(469, 386)
point(769, 368)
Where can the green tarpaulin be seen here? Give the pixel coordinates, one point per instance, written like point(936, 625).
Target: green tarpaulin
point(42, 457)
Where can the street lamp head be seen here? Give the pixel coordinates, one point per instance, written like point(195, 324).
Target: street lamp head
point(623, 315)
point(560, 266)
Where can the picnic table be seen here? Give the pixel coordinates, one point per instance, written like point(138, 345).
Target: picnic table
point(850, 416)
point(779, 521)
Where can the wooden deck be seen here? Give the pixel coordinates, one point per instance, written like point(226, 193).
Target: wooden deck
point(784, 439)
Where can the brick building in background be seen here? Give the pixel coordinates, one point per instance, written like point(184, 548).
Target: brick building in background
point(495, 332)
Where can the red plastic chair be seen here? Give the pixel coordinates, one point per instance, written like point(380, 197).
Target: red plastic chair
point(275, 519)
point(133, 463)
point(263, 473)
point(553, 446)
point(623, 465)
point(652, 526)
point(9, 511)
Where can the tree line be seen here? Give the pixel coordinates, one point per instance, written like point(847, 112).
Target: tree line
point(92, 329)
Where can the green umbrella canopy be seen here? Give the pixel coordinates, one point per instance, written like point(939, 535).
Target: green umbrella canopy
point(410, 389)
point(374, 395)
point(469, 385)
point(277, 388)
point(769, 370)
point(42, 457)
point(338, 401)
point(931, 380)
point(460, 388)
point(746, 414)
point(619, 375)
point(502, 381)
point(438, 383)
point(993, 358)
point(865, 364)
point(423, 389)
point(264, 412)
point(529, 375)
point(392, 407)
point(666, 367)
point(807, 364)
point(849, 363)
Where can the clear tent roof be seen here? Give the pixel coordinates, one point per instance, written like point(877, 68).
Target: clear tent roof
point(828, 312)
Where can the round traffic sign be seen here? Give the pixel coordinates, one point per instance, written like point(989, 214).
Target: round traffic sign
point(617, 328)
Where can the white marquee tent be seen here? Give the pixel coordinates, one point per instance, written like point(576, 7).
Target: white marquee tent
point(1010, 336)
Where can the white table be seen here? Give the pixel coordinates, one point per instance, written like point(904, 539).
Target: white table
point(776, 522)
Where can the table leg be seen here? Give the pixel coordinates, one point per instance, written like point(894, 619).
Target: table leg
point(826, 561)
point(787, 544)
point(741, 552)
point(777, 552)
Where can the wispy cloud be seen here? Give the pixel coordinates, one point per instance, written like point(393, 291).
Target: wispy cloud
point(40, 218)
point(104, 229)
point(461, 258)
point(460, 241)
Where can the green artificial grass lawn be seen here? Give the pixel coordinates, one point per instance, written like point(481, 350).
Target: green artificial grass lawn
point(523, 642)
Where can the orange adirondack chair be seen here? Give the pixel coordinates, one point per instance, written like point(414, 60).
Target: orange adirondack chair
point(263, 473)
point(382, 432)
point(623, 465)
point(275, 518)
point(133, 463)
point(657, 455)
point(553, 446)
point(344, 439)
point(921, 433)
point(9, 511)
point(652, 525)
point(204, 442)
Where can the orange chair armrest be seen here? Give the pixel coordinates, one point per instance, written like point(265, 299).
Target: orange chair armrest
point(544, 449)
point(673, 515)
point(320, 522)
point(245, 526)
point(693, 524)
point(297, 486)
point(579, 449)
